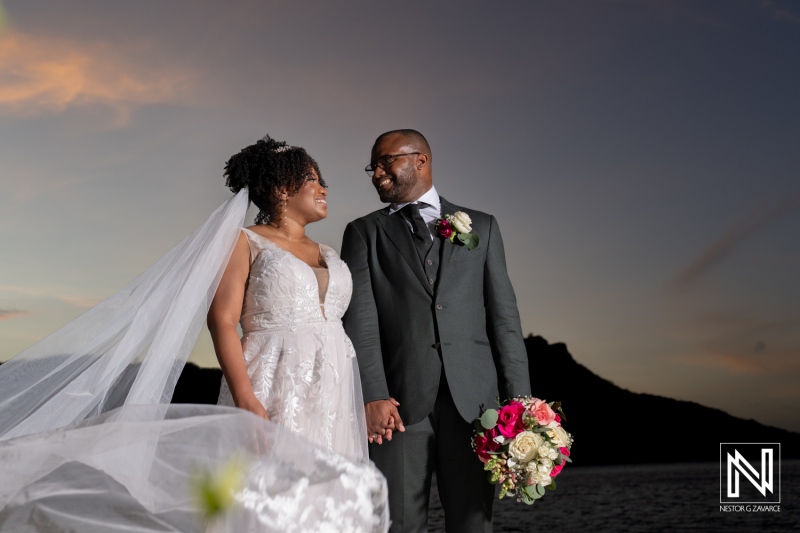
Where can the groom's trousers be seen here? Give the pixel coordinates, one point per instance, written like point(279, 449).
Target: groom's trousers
point(441, 442)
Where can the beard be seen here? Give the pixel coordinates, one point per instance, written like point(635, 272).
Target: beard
point(402, 185)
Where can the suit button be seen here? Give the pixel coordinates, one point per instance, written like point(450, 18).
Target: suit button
point(438, 306)
point(435, 346)
point(430, 281)
point(429, 262)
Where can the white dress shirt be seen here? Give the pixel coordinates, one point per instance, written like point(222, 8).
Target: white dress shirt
point(430, 214)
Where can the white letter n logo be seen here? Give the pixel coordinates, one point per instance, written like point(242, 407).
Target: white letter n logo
point(737, 463)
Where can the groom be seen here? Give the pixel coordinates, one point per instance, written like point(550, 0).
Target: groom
point(435, 326)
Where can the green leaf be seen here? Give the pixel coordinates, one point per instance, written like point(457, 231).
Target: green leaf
point(527, 495)
point(539, 490)
point(489, 419)
point(533, 492)
point(473, 241)
point(552, 485)
point(478, 427)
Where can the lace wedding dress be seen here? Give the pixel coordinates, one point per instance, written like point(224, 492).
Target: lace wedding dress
point(90, 443)
point(301, 364)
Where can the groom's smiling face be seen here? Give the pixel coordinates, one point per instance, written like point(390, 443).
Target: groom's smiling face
point(399, 178)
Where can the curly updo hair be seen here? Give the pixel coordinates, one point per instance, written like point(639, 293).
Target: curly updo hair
point(266, 168)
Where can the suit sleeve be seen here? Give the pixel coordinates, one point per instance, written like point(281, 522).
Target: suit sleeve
point(502, 319)
point(361, 318)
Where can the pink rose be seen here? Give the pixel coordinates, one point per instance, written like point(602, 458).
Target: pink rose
point(542, 412)
point(445, 229)
point(558, 419)
point(485, 443)
point(557, 468)
point(509, 419)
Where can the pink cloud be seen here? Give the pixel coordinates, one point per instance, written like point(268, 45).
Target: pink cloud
point(715, 253)
point(44, 75)
point(65, 295)
point(8, 314)
point(779, 12)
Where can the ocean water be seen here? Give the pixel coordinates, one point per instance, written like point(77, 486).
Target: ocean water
point(639, 498)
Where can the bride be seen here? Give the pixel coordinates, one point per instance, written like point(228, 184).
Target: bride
point(88, 439)
point(294, 364)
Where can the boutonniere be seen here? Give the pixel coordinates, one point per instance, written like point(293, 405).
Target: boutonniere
point(456, 228)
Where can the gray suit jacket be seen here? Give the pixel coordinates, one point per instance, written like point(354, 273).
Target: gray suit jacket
point(405, 331)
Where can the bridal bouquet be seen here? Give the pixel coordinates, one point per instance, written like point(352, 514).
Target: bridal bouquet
point(523, 446)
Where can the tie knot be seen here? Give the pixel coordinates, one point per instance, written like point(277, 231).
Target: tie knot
point(416, 207)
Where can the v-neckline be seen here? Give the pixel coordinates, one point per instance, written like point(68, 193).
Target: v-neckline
point(323, 304)
point(281, 248)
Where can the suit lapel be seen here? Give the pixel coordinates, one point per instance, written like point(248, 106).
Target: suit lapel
point(397, 230)
point(448, 248)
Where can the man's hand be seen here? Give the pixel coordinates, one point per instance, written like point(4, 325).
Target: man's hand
point(382, 420)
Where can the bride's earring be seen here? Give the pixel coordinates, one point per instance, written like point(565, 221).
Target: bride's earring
point(283, 210)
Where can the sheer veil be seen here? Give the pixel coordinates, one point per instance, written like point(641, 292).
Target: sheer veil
point(129, 349)
point(89, 442)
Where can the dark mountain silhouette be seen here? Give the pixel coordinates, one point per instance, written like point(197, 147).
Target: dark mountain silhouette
point(197, 385)
point(611, 425)
point(614, 425)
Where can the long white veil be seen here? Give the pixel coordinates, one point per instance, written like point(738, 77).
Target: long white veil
point(129, 349)
point(89, 442)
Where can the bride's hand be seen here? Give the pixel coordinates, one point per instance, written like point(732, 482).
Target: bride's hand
point(382, 420)
point(254, 406)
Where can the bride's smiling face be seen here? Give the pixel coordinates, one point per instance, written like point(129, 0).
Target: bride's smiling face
point(310, 203)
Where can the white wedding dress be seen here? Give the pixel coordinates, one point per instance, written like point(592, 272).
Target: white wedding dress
point(301, 364)
point(90, 443)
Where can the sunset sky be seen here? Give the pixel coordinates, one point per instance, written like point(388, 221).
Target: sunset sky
point(641, 157)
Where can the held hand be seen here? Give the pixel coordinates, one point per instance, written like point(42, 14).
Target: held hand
point(382, 420)
point(254, 406)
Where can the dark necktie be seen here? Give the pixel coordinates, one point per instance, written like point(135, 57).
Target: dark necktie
point(422, 235)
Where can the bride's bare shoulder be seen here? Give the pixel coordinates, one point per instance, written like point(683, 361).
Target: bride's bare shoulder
point(262, 229)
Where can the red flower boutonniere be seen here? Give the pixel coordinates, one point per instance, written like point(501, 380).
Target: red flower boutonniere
point(456, 228)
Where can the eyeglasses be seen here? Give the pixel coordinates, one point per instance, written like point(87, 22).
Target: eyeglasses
point(384, 162)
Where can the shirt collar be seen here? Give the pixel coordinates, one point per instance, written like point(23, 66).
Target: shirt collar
point(431, 198)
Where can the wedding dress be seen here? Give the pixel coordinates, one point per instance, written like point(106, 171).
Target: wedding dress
point(301, 364)
point(89, 442)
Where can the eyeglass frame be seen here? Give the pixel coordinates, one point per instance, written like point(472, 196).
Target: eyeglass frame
point(390, 158)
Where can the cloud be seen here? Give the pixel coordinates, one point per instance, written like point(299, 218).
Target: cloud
point(44, 75)
point(782, 363)
point(3, 19)
point(671, 11)
point(778, 12)
point(64, 295)
point(7, 314)
point(744, 345)
point(713, 255)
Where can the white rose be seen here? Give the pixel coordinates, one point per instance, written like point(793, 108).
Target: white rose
point(523, 447)
point(462, 222)
point(546, 451)
point(559, 437)
point(539, 478)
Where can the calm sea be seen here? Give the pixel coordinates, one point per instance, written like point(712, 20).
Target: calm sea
point(676, 497)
